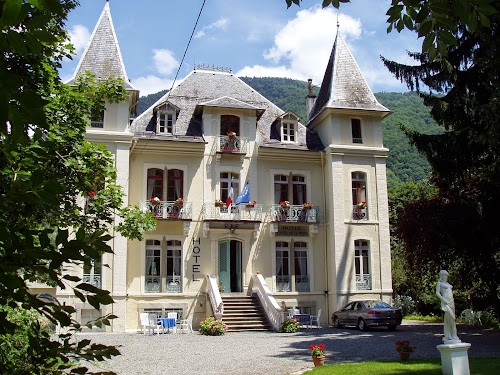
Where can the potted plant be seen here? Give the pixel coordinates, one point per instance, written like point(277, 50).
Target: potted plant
point(307, 205)
point(155, 201)
point(179, 202)
point(251, 204)
point(218, 203)
point(404, 349)
point(318, 354)
point(285, 204)
point(361, 205)
point(231, 135)
point(290, 326)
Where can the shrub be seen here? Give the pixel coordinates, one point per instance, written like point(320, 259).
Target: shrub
point(212, 327)
point(489, 319)
point(290, 326)
point(406, 304)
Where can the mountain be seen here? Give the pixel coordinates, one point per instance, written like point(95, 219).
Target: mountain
point(404, 162)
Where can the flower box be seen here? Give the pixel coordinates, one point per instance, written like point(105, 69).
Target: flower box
point(155, 201)
point(307, 206)
point(219, 203)
point(285, 204)
point(250, 204)
point(179, 202)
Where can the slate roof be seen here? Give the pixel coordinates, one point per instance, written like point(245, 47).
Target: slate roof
point(212, 88)
point(102, 56)
point(343, 86)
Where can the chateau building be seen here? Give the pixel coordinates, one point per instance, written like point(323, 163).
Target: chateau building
point(311, 221)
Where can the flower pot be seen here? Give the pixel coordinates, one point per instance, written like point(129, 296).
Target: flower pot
point(178, 204)
point(306, 208)
point(155, 203)
point(250, 205)
point(318, 361)
point(404, 356)
point(219, 204)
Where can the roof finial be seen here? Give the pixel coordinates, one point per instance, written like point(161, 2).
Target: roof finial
point(338, 24)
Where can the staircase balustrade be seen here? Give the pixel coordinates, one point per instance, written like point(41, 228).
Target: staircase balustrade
point(274, 314)
point(215, 297)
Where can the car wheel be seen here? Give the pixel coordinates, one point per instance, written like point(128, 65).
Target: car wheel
point(392, 327)
point(336, 322)
point(361, 325)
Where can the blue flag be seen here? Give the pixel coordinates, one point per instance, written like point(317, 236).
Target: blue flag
point(244, 196)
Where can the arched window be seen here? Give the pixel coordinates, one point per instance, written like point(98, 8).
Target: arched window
point(175, 183)
point(361, 265)
point(229, 123)
point(155, 183)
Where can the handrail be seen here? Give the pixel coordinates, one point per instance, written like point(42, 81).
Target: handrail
point(215, 298)
point(274, 314)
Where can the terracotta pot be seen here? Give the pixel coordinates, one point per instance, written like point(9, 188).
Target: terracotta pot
point(250, 205)
point(178, 204)
point(318, 361)
point(404, 356)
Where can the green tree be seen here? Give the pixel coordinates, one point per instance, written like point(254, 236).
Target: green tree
point(47, 218)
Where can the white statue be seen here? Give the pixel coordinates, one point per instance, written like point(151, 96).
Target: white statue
point(445, 295)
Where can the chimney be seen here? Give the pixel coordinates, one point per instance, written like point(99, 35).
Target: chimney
point(310, 98)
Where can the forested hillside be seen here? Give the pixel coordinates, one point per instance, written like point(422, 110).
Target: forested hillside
point(404, 162)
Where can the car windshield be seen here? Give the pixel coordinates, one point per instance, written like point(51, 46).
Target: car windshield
point(377, 305)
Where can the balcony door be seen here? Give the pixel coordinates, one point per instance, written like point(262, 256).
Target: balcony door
point(230, 266)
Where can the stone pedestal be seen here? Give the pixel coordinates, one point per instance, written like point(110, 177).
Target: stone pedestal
point(454, 358)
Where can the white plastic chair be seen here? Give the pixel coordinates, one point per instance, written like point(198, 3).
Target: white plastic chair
point(173, 315)
point(477, 315)
point(187, 324)
point(468, 316)
point(315, 319)
point(146, 323)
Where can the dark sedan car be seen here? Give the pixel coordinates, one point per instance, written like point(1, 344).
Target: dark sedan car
point(363, 314)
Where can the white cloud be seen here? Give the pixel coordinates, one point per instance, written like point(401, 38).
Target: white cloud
point(79, 36)
point(220, 24)
point(164, 61)
point(151, 84)
point(269, 71)
point(303, 46)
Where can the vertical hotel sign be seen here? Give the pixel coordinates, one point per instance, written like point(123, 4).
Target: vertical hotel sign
point(196, 256)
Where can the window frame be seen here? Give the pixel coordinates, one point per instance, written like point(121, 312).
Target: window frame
point(224, 129)
point(288, 131)
point(166, 120)
point(356, 131)
point(154, 187)
point(362, 263)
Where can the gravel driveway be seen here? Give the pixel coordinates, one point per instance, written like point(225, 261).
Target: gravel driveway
point(278, 353)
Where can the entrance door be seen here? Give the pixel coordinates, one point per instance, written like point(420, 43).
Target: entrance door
point(230, 266)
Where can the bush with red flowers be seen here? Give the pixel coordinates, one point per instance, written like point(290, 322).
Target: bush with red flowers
point(404, 347)
point(317, 350)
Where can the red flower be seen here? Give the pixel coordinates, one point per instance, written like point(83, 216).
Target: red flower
point(311, 346)
point(322, 346)
point(91, 193)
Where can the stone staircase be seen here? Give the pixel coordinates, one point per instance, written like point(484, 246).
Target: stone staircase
point(244, 313)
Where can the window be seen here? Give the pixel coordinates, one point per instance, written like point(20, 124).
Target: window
point(226, 180)
point(290, 188)
point(163, 266)
point(175, 182)
point(356, 130)
point(301, 275)
point(288, 132)
point(361, 264)
point(359, 198)
point(229, 123)
point(92, 270)
point(97, 116)
point(286, 276)
point(166, 122)
point(282, 267)
point(153, 263)
point(174, 261)
point(155, 183)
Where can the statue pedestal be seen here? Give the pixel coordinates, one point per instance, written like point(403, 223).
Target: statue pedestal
point(454, 357)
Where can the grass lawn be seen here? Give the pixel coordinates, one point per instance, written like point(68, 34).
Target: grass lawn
point(478, 366)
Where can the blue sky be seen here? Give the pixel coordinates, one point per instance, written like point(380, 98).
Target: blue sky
point(257, 38)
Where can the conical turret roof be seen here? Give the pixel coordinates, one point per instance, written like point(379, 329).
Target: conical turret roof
point(343, 85)
point(102, 56)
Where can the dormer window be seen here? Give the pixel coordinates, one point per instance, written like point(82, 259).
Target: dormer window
point(289, 126)
point(356, 130)
point(166, 120)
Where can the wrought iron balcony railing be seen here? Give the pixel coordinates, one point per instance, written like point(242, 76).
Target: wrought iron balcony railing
point(359, 213)
point(294, 214)
point(233, 212)
point(174, 284)
point(94, 280)
point(153, 284)
point(302, 283)
point(230, 145)
point(168, 210)
point(283, 283)
point(363, 282)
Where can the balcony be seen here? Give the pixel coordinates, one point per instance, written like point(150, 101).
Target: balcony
point(283, 283)
point(294, 214)
point(231, 145)
point(92, 279)
point(165, 210)
point(363, 282)
point(174, 284)
point(241, 212)
point(359, 213)
point(302, 283)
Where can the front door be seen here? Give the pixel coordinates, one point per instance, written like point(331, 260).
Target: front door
point(230, 266)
